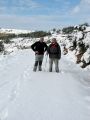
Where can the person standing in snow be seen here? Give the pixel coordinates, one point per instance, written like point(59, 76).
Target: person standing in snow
point(39, 48)
point(54, 52)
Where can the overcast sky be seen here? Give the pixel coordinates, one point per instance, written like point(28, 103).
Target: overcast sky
point(43, 14)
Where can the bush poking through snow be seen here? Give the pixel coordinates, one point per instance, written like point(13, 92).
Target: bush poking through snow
point(1, 46)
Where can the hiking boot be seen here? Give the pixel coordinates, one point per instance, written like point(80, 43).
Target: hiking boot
point(40, 69)
point(35, 68)
point(50, 70)
point(57, 70)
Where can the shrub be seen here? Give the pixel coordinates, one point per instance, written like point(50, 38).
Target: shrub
point(35, 34)
point(7, 40)
point(68, 30)
point(1, 46)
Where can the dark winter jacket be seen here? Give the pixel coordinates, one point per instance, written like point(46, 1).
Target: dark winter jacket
point(54, 51)
point(41, 47)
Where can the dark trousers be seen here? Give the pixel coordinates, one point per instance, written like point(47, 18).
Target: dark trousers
point(38, 63)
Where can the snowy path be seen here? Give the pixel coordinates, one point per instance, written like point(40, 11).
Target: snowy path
point(27, 95)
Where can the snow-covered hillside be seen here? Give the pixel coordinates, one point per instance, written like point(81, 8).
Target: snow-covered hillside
point(79, 43)
point(14, 31)
point(25, 94)
point(87, 29)
point(18, 44)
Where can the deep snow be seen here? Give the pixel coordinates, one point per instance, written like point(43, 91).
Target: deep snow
point(28, 95)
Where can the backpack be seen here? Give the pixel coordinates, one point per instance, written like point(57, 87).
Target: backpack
point(54, 48)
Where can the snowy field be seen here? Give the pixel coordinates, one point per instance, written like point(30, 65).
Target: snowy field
point(28, 95)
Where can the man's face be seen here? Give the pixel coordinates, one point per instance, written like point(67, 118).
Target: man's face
point(41, 39)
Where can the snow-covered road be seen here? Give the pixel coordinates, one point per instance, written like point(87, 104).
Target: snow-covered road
point(28, 95)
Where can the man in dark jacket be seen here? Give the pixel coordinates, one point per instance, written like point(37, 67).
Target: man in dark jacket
point(54, 52)
point(39, 48)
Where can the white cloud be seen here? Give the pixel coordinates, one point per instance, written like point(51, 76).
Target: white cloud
point(81, 12)
point(28, 3)
point(82, 8)
point(15, 7)
point(41, 22)
point(76, 9)
point(86, 1)
point(53, 19)
point(25, 4)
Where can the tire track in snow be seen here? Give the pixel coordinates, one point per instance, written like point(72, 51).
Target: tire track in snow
point(14, 92)
point(11, 98)
point(4, 83)
point(14, 87)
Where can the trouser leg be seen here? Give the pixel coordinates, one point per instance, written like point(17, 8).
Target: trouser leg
point(40, 64)
point(36, 63)
point(50, 64)
point(56, 61)
point(35, 66)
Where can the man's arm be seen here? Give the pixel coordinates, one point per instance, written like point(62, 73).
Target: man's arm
point(48, 49)
point(45, 47)
point(59, 51)
point(33, 46)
